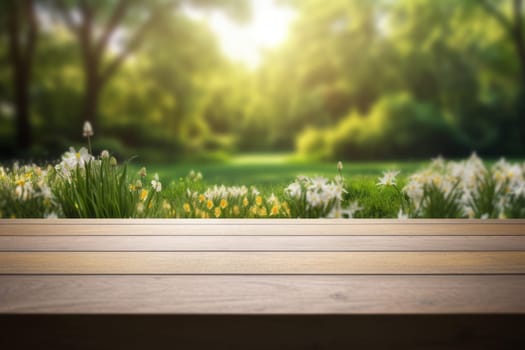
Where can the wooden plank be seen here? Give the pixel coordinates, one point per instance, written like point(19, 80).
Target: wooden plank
point(262, 262)
point(213, 222)
point(261, 243)
point(261, 227)
point(262, 294)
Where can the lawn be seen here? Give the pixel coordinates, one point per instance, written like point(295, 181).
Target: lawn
point(270, 170)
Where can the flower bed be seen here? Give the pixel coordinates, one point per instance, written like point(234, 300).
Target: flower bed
point(83, 185)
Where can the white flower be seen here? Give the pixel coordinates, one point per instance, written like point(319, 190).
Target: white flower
point(87, 130)
point(104, 154)
point(469, 212)
point(72, 159)
point(401, 215)
point(45, 191)
point(352, 209)
point(388, 179)
point(156, 184)
point(313, 199)
point(318, 182)
point(519, 189)
point(334, 191)
point(272, 199)
point(294, 190)
point(339, 166)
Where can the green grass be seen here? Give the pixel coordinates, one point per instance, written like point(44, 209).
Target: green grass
point(270, 170)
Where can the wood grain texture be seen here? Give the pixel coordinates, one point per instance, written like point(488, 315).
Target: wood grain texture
point(263, 294)
point(262, 262)
point(214, 222)
point(262, 243)
point(261, 227)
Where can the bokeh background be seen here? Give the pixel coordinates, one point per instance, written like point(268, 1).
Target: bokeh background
point(207, 80)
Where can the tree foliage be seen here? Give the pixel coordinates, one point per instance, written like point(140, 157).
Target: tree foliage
point(354, 79)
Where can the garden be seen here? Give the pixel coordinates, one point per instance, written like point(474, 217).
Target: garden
point(83, 185)
point(353, 109)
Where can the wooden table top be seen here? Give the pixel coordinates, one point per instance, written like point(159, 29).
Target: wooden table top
point(262, 267)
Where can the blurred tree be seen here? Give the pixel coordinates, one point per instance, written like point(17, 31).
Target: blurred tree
point(103, 18)
point(98, 23)
point(515, 29)
point(20, 21)
point(513, 26)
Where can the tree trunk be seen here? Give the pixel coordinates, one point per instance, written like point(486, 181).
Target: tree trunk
point(21, 47)
point(23, 127)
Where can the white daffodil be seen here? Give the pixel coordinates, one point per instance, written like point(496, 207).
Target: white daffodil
point(294, 190)
point(317, 183)
point(313, 199)
point(388, 179)
point(72, 159)
point(351, 209)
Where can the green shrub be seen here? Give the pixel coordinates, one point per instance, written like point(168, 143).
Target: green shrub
point(396, 126)
point(312, 144)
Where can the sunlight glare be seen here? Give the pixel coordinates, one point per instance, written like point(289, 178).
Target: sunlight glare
point(246, 42)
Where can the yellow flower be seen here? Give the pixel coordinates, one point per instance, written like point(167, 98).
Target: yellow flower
point(258, 200)
point(236, 210)
point(201, 198)
point(253, 210)
point(143, 194)
point(209, 204)
point(187, 207)
point(131, 187)
point(224, 203)
point(275, 210)
point(263, 211)
point(217, 212)
point(245, 202)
